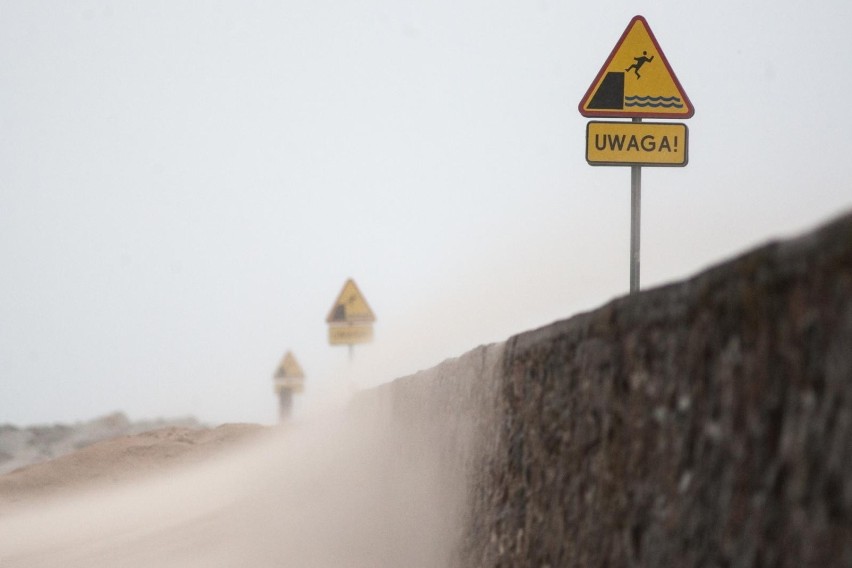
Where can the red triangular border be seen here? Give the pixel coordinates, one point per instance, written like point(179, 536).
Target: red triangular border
point(633, 114)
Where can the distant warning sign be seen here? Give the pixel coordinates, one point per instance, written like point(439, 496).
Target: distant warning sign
point(289, 368)
point(350, 320)
point(636, 81)
point(289, 374)
point(636, 144)
point(350, 306)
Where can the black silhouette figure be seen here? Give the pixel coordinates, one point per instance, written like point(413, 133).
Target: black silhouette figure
point(640, 61)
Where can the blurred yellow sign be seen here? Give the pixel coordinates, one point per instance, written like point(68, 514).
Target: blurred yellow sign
point(636, 80)
point(636, 143)
point(293, 385)
point(289, 374)
point(350, 306)
point(350, 334)
point(289, 368)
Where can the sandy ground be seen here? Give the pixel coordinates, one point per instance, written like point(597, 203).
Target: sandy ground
point(333, 492)
point(114, 463)
point(23, 446)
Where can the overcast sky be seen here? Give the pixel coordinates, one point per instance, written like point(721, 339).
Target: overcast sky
point(185, 186)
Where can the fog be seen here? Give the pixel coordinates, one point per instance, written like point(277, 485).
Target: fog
point(184, 187)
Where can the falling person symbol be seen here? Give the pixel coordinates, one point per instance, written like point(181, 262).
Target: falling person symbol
point(640, 61)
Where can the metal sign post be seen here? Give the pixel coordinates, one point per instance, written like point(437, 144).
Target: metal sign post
point(635, 222)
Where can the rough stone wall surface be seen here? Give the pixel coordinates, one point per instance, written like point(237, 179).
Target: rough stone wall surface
point(707, 423)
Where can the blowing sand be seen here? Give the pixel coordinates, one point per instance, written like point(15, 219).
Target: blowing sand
point(334, 491)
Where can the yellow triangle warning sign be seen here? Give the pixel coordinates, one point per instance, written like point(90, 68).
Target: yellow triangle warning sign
point(289, 368)
point(350, 306)
point(636, 81)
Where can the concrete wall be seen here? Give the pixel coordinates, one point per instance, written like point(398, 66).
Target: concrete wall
point(706, 423)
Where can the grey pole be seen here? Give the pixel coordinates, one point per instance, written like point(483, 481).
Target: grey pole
point(635, 222)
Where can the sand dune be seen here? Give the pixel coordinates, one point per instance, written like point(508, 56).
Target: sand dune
point(23, 446)
point(120, 460)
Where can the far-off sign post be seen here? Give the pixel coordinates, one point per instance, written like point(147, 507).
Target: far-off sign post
point(289, 379)
point(636, 82)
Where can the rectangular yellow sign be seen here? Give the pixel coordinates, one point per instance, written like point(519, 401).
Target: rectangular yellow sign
point(636, 144)
point(350, 334)
point(295, 385)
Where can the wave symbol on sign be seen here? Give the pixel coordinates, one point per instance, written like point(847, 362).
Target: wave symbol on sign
point(665, 102)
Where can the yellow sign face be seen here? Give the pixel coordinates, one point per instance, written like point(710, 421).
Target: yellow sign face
point(350, 306)
point(289, 368)
point(350, 334)
point(636, 81)
point(636, 144)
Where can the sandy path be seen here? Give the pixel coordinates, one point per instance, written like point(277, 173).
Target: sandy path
point(335, 493)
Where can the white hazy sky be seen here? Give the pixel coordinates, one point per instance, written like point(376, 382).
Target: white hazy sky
point(186, 185)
